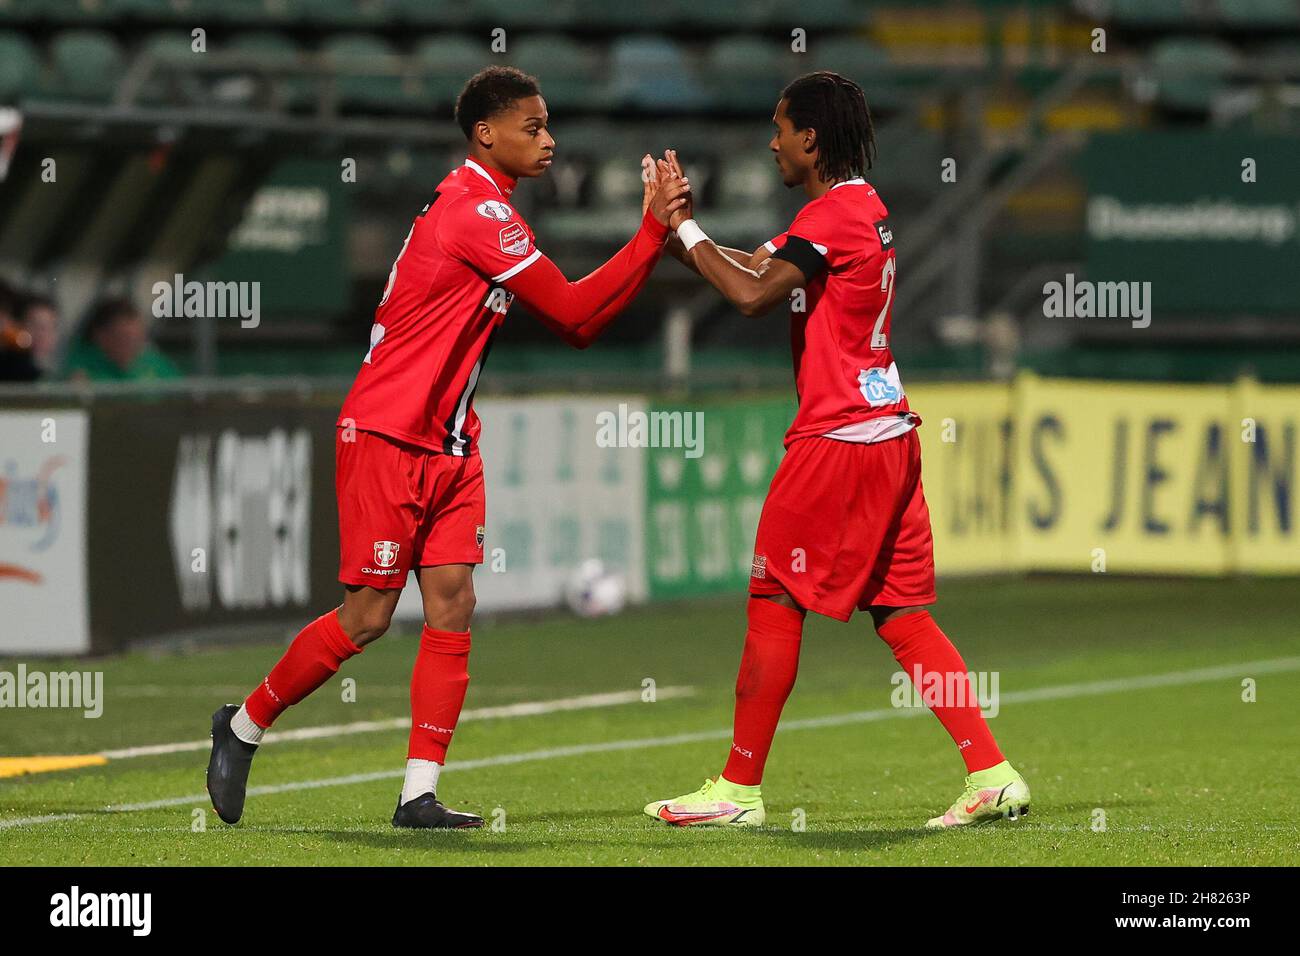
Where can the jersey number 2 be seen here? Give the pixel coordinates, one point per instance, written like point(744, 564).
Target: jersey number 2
point(879, 338)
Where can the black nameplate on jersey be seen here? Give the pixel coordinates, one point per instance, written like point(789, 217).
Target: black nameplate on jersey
point(886, 233)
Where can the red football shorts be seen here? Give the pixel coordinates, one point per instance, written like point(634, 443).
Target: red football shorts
point(404, 507)
point(845, 526)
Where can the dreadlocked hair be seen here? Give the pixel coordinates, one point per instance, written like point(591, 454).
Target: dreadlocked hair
point(835, 108)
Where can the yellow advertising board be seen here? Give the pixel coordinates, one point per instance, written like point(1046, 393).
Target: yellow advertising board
point(1089, 476)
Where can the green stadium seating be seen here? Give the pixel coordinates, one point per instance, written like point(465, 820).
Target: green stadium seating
point(568, 71)
point(431, 13)
point(522, 13)
point(747, 73)
point(651, 72)
point(864, 63)
point(345, 13)
point(727, 15)
point(86, 65)
point(747, 181)
point(445, 62)
point(624, 16)
point(168, 85)
point(1260, 13)
point(70, 12)
point(1190, 71)
point(1153, 13)
point(20, 68)
point(293, 91)
point(355, 51)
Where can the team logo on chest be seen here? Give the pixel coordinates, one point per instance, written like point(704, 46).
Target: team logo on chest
point(386, 553)
point(494, 209)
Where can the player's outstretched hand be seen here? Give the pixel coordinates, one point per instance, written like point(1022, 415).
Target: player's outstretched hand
point(671, 172)
point(650, 179)
point(672, 195)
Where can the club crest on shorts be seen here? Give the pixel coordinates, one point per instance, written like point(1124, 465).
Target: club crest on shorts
point(386, 553)
point(759, 568)
point(479, 534)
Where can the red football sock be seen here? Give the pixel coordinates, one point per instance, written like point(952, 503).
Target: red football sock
point(438, 686)
point(312, 659)
point(767, 672)
point(916, 641)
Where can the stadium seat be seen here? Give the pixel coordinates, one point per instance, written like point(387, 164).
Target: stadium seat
point(353, 52)
point(625, 16)
point(651, 72)
point(444, 63)
point(749, 181)
point(866, 64)
point(568, 71)
point(529, 13)
point(345, 13)
point(291, 90)
point(171, 85)
point(1260, 13)
point(1153, 13)
point(86, 65)
point(726, 15)
point(1190, 71)
point(747, 72)
point(67, 12)
point(431, 13)
point(20, 68)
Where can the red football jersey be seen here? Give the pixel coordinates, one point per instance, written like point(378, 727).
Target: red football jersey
point(441, 308)
point(845, 374)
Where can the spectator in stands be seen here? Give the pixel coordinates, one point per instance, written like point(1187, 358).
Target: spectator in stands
point(40, 317)
point(16, 363)
point(116, 346)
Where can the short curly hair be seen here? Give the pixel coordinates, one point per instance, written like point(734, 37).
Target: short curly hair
point(490, 92)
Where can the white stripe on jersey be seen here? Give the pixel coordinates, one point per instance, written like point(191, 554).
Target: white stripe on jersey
point(518, 267)
point(462, 410)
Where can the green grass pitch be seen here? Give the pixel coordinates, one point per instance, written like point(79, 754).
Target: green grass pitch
point(1184, 770)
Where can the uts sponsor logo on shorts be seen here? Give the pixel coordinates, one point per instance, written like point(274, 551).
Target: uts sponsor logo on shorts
point(759, 568)
point(514, 239)
point(386, 553)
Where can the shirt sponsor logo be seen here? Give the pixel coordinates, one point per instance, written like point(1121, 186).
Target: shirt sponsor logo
point(494, 209)
point(514, 239)
point(386, 553)
point(886, 233)
point(759, 568)
point(880, 386)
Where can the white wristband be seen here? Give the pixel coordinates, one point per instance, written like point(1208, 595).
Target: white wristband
point(691, 234)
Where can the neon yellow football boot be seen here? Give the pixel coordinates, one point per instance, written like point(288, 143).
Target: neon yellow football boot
point(719, 803)
point(998, 793)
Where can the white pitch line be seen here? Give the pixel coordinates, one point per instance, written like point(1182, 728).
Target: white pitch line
point(1056, 692)
point(525, 709)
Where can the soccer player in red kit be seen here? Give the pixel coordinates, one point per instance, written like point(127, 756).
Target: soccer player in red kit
point(409, 478)
point(845, 525)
